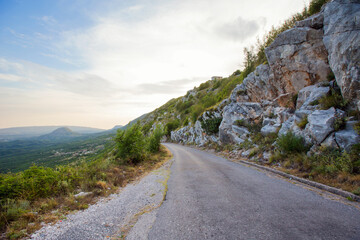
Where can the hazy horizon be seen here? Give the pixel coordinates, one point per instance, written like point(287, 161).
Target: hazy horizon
point(101, 64)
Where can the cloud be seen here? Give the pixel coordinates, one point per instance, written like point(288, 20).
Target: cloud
point(169, 87)
point(239, 29)
point(48, 20)
point(123, 57)
point(11, 77)
point(43, 77)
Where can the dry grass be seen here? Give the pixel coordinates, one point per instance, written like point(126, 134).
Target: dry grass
point(344, 181)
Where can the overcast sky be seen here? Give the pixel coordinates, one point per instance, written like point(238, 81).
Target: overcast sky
point(102, 63)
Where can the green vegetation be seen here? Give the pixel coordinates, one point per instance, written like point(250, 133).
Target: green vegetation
point(357, 127)
point(328, 165)
point(333, 99)
point(211, 126)
point(155, 138)
point(252, 127)
point(211, 123)
point(21, 154)
point(41, 189)
point(303, 122)
point(315, 6)
point(171, 126)
point(131, 144)
point(330, 76)
point(339, 124)
point(290, 143)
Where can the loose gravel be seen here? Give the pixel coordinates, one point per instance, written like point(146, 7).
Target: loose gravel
point(113, 217)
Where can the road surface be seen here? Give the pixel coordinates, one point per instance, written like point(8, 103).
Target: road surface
point(210, 197)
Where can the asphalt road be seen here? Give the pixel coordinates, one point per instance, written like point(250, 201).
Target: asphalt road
point(212, 198)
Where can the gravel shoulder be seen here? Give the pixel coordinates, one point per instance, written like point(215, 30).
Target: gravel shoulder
point(114, 217)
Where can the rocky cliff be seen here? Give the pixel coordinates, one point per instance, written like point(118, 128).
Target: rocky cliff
point(308, 66)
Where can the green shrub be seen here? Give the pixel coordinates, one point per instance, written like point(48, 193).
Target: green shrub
point(211, 125)
point(252, 127)
point(339, 124)
point(294, 98)
point(247, 144)
point(155, 138)
point(331, 161)
point(171, 126)
point(314, 103)
point(146, 127)
point(204, 86)
point(186, 122)
point(333, 99)
point(290, 143)
point(196, 111)
point(315, 6)
point(357, 127)
point(131, 145)
point(240, 123)
point(303, 122)
point(330, 76)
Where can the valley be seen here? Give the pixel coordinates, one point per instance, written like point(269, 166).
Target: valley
point(53, 149)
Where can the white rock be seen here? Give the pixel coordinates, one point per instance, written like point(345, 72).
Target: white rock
point(347, 137)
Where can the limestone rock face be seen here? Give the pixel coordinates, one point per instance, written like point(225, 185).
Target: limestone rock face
point(256, 87)
point(298, 58)
point(316, 21)
point(249, 111)
point(299, 62)
point(341, 39)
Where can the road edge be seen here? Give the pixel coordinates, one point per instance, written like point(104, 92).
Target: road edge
point(321, 186)
point(350, 196)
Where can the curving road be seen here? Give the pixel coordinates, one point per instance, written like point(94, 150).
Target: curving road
point(212, 198)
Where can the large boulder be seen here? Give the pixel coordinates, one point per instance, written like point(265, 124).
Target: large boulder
point(298, 58)
point(341, 39)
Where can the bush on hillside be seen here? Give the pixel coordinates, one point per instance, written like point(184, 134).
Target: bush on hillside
point(333, 99)
point(155, 138)
point(171, 126)
point(211, 125)
point(290, 143)
point(315, 6)
point(131, 144)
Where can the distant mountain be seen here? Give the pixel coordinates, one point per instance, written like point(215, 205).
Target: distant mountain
point(8, 134)
point(62, 133)
point(116, 127)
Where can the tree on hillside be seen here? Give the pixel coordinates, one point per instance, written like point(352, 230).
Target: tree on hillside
point(131, 144)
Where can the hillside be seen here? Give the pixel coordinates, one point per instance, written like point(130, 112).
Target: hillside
point(21, 154)
point(60, 134)
point(295, 104)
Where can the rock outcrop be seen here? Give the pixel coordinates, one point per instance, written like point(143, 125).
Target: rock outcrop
point(341, 39)
point(298, 58)
point(284, 94)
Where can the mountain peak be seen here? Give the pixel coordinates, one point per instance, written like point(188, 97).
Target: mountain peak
point(60, 133)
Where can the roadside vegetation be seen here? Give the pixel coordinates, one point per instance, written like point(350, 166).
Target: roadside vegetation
point(42, 194)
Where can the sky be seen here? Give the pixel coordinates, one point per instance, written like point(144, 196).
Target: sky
point(103, 63)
